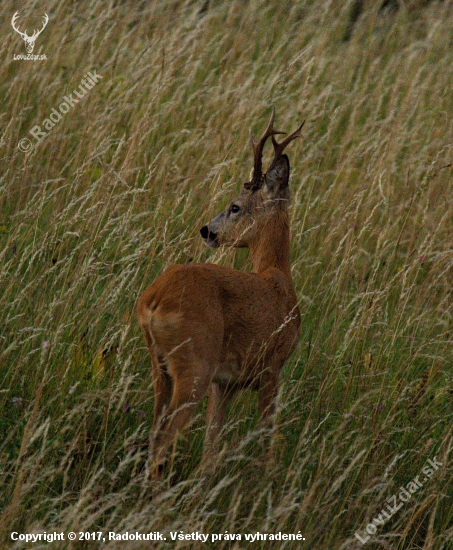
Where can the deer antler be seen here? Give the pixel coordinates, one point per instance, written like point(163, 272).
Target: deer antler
point(258, 146)
point(46, 20)
point(13, 23)
point(24, 34)
point(280, 147)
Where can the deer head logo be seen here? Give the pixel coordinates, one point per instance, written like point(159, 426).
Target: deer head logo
point(29, 40)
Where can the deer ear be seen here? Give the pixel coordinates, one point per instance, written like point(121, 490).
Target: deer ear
point(277, 177)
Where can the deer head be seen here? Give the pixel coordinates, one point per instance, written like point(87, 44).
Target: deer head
point(263, 196)
point(29, 40)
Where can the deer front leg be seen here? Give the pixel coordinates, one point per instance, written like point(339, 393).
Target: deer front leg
point(267, 396)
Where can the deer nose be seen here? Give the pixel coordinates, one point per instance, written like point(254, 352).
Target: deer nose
point(207, 234)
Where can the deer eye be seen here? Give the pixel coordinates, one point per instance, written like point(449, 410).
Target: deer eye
point(234, 209)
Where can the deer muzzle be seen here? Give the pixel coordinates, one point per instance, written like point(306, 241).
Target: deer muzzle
point(209, 237)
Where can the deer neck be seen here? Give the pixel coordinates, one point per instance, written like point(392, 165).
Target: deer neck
point(271, 248)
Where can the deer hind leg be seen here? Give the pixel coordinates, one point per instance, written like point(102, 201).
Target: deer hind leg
point(219, 399)
point(190, 384)
point(162, 384)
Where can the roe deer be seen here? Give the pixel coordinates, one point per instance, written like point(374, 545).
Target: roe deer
point(216, 329)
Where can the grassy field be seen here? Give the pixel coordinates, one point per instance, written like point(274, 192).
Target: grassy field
point(117, 191)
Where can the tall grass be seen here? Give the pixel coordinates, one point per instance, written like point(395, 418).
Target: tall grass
point(117, 192)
